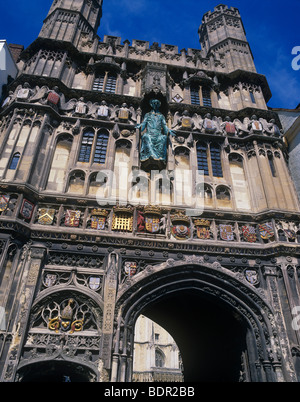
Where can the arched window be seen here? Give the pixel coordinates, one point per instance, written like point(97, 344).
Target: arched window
point(101, 147)
point(215, 155)
point(204, 196)
point(223, 197)
point(76, 182)
point(202, 158)
point(159, 358)
point(252, 97)
point(272, 165)
point(14, 161)
point(86, 147)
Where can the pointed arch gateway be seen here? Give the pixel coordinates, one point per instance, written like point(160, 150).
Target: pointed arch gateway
point(222, 325)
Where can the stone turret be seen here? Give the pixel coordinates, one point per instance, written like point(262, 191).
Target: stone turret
point(222, 35)
point(72, 20)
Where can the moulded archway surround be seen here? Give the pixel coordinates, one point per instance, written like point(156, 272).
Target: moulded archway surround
point(228, 289)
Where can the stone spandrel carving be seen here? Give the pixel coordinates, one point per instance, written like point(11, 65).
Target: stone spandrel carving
point(71, 315)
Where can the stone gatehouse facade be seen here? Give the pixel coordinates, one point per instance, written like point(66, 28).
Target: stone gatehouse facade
point(91, 239)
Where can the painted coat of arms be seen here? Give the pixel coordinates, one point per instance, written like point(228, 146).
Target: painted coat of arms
point(202, 227)
point(46, 216)
point(94, 282)
point(180, 226)
point(249, 233)
point(266, 231)
point(152, 223)
point(226, 232)
point(130, 268)
point(50, 280)
point(98, 219)
point(26, 210)
point(4, 200)
point(72, 218)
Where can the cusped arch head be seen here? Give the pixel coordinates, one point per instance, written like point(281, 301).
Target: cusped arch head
point(194, 274)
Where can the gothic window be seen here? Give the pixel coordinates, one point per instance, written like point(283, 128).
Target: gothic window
point(272, 165)
point(14, 161)
point(252, 97)
point(105, 82)
point(202, 158)
point(215, 155)
point(101, 147)
point(86, 147)
point(159, 358)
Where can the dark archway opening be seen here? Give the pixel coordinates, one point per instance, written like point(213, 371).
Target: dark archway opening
point(211, 337)
point(55, 371)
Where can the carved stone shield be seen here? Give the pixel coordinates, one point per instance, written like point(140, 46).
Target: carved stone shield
point(123, 114)
point(230, 127)
point(251, 276)
point(130, 268)
point(53, 98)
point(94, 282)
point(50, 280)
point(23, 93)
point(186, 122)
